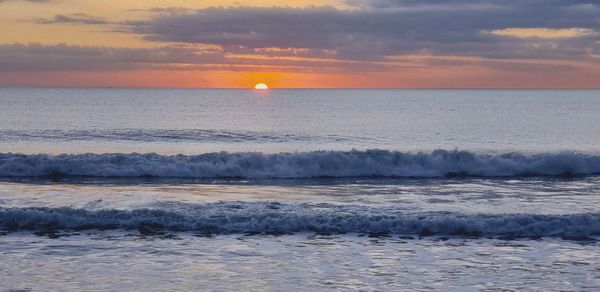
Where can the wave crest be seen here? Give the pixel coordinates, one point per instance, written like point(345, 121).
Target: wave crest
point(234, 218)
point(370, 163)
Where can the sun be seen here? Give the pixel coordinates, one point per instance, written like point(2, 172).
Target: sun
point(261, 86)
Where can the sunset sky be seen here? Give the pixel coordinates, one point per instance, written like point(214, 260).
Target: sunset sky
point(301, 43)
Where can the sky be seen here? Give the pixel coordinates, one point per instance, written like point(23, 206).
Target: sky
point(301, 43)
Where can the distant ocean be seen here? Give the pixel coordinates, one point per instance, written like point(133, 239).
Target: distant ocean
point(299, 189)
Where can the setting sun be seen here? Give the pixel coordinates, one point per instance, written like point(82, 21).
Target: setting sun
point(261, 86)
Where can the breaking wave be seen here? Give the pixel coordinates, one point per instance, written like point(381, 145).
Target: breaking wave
point(278, 218)
point(370, 163)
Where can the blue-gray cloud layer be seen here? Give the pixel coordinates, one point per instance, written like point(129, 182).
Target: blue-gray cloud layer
point(379, 28)
point(325, 39)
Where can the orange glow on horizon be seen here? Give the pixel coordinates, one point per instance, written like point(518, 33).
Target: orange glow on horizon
point(464, 77)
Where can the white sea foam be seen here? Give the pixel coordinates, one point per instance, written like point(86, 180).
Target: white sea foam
point(370, 163)
point(271, 217)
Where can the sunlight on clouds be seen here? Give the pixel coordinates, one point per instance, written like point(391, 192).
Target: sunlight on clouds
point(28, 17)
point(544, 33)
point(299, 43)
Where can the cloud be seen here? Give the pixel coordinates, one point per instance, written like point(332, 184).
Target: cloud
point(177, 65)
point(74, 18)
point(371, 36)
point(57, 58)
point(32, 1)
point(38, 57)
point(544, 33)
point(375, 29)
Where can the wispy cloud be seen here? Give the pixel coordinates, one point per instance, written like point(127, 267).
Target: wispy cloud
point(545, 33)
point(42, 58)
point(32, 1)
point(74, 18)
point(38, 57)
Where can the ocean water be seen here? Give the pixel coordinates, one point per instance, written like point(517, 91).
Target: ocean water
point(164, 189)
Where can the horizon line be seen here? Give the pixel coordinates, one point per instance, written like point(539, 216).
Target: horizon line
point(303, 88)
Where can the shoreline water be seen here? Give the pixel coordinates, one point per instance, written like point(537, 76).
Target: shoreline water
point(231, 189)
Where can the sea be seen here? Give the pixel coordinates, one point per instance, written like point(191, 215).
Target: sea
point(299, 190)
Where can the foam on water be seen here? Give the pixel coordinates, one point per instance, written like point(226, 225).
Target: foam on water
point(370, 163)
point(273, 217)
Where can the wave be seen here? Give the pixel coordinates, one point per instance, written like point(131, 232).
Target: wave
point(278, 218)
point(370, 163)
point(165, 135)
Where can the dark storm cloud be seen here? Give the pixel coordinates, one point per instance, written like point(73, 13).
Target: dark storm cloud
point(380, 28)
